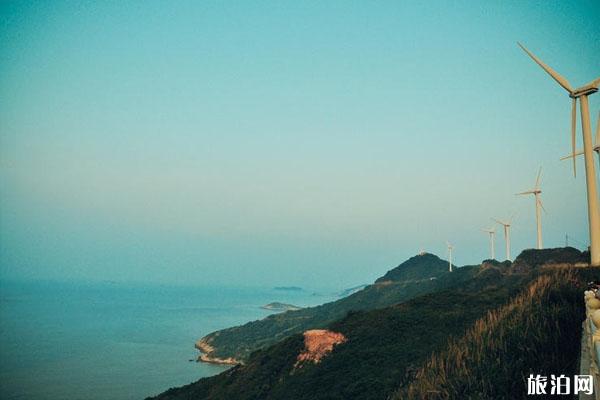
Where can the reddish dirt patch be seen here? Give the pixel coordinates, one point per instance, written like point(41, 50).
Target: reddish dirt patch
point(318, 343)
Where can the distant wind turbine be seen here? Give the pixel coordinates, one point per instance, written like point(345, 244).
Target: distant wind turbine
point(506, 226)
point(536, 191)
point(582, 94)
point(450, 248)
point(492, 233)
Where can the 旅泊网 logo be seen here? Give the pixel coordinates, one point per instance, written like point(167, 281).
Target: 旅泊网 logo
point(559, 385)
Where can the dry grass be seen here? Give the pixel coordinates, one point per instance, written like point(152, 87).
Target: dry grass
point(531, 334)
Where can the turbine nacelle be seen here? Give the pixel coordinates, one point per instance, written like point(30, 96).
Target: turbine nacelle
point(536, 189)
point(585, 90)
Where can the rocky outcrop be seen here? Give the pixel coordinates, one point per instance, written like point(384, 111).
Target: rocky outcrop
point(489, 267)
point(206, 351)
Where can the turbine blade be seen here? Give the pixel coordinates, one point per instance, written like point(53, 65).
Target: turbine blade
point(578, 153)
point(500, 222)
point(524, 193)
point(542, 205)
point(555, 75)
point(567, 157)
point(595, 83)
point(537, 180)
point(573, 128)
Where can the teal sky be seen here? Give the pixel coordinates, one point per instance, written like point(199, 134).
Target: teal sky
point(306, 143)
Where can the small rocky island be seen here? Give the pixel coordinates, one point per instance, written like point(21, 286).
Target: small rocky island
point(276, 306)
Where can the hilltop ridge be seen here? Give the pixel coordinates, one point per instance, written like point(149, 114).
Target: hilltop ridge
point(421, 266)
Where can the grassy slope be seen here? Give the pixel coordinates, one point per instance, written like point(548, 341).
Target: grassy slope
point(537, 332)
point(408, 280)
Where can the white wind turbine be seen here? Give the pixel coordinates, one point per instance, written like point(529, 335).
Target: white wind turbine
point(582, 94)
point(596, 147)
point(506, 226)
point(450, 248)
point(536, 191)
point(492, 233)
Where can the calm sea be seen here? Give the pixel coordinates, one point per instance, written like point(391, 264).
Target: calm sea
point(111, 341)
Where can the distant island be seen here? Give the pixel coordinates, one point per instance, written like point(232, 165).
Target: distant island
point(276, 306)
point(289, 288)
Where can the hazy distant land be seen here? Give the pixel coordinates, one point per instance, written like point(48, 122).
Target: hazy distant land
point(289, 288)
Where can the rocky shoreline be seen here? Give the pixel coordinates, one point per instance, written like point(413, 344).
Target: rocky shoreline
point(205, 351)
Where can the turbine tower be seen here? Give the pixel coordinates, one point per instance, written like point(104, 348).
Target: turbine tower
point(492, 233)
point(450, 248)
point(506, 226)
point(582, 94)
point(536, 191)
point(596, 147)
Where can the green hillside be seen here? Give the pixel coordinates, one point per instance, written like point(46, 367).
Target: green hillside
point(537, 332)
point(495, 319)
point(409, 279)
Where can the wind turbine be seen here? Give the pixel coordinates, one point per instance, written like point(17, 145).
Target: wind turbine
point(536, 191)
point(506, 226)
point(596, 147)
point(582, 94)
point(450, 248)
point(492, 233)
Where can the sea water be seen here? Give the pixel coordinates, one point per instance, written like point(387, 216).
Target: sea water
point(109, 341)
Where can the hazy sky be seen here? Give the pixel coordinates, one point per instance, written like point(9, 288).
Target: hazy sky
point(303, 143)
